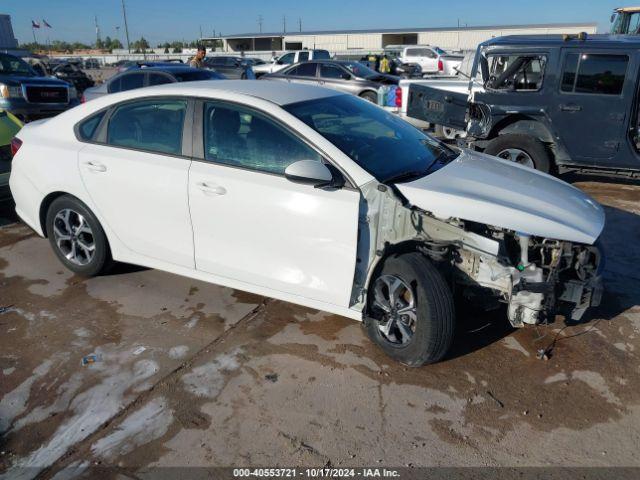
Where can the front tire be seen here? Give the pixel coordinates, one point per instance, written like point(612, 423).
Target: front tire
point(77, 238)
point(410, 311)
point(523, 149)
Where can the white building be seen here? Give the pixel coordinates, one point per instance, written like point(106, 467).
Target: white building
point(462, 38)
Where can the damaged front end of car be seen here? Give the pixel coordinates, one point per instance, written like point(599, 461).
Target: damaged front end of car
point(535, 277)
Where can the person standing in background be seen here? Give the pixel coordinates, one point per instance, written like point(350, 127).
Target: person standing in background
point(198, 60)
point(385, 66)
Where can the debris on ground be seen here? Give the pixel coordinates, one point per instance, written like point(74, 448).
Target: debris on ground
point(272, 377)
point(91, 358)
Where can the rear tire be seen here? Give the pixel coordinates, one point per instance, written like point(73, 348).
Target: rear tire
point(417, 336)
point(369, 96)
point(507, 147)
point(77, 238)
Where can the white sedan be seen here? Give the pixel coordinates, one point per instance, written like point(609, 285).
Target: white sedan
point(310, 196)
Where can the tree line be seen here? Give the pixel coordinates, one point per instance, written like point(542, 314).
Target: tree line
point(138, 46)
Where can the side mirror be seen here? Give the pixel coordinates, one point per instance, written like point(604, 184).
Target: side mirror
point(310, 172)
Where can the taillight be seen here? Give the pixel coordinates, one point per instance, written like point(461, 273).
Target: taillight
point(398, 97)
point(16, 143)
point(82, 99)
point(440, 66)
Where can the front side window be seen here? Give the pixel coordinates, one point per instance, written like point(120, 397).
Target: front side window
point(151, 125)
point(244, 138)
point(303, 70)
point(384, 145)
point(331, 71)
point(600, 74)
point(10, 65)
point(287, 59)
point(516, 72)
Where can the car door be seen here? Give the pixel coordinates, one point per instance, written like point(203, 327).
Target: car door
point(136, 173)
point(590, 113)
point(337, 77)
point(254, 226)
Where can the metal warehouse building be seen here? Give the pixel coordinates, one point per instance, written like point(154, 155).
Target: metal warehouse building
point(462, 38)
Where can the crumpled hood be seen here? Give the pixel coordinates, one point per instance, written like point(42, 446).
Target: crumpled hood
point(488, 190)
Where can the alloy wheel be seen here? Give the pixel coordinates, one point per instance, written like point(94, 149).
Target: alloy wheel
point(395, 309)
point(74, 237)
point(517, 156)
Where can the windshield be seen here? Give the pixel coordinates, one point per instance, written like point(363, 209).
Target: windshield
point(360, 70)
point(10, 65)
point(384, 145)
point(194, 76)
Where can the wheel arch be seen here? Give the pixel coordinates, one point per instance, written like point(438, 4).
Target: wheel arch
point(523, 125)
point(44, 207)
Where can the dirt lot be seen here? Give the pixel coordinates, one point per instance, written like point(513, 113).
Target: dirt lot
point(190, 374)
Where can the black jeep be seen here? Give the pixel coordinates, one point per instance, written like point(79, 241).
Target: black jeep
point(551, 102)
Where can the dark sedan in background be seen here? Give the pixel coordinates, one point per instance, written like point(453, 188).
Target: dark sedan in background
point(149, 76)
point(231, 67)
point(70, 73)
point(347, 76)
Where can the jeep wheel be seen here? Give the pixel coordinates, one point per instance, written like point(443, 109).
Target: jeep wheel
point(410, 311)
point(523, 149)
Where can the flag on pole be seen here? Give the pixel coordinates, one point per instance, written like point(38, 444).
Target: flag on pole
point(34, 24)
point(44, 22)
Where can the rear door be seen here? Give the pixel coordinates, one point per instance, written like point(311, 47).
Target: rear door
point(136, 172)
point(437, 106)
point(592, 106)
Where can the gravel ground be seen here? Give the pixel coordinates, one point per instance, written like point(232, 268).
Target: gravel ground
point(191, 374)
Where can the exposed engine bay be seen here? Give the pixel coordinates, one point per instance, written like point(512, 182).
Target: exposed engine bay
point(485, 265)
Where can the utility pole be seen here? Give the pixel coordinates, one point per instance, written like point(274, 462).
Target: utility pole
point(284, 24)
point(260, 23)
point(200, 32)
point(300, 24)
point(126, 27)
point(97, 30)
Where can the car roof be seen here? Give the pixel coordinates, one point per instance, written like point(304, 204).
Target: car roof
point(280, 93)
point(591, 41)
point(167, 68)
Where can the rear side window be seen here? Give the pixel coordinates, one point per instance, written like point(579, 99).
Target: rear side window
point(303, 56)
point(88, 127)
point(599, 74)
point(304, 70)
point(151, 125)
point(321, 55)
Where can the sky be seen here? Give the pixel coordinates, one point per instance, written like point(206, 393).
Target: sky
point(164, 20)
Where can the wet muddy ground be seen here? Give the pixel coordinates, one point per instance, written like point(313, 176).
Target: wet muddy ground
point(191, 374)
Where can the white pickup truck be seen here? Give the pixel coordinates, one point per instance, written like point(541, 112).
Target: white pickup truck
point(289, 58)
point(457, 82)
point(432, 60)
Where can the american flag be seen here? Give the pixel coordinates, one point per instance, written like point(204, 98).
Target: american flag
point(34, 24)
point(44, 22)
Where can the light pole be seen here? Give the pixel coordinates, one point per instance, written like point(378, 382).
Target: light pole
point(126, 27)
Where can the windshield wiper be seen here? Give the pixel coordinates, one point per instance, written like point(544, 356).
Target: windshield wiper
point(405, 176)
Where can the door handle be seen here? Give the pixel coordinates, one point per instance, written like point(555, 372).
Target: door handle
point(95, 166)
point(211, 189)
point(570, 108)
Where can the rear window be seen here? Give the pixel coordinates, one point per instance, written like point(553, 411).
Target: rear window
point(599, 74)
